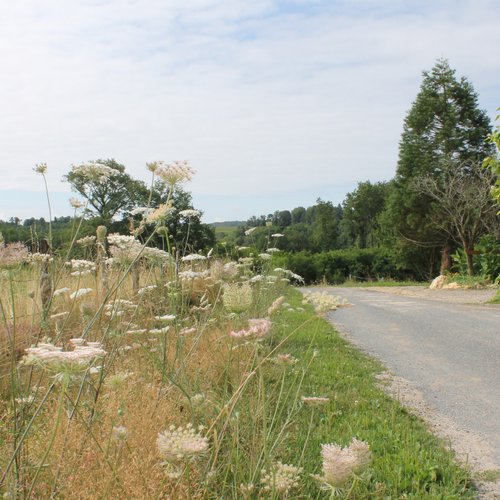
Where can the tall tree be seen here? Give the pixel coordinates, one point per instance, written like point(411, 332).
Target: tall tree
point(106, 186)
point(361, 209)
point(443, 127)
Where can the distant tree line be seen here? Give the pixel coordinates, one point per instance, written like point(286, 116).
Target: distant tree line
point(115, 201)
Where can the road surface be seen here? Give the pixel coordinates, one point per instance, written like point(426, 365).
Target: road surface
point(450, 352)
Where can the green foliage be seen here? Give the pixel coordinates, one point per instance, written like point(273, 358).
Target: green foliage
point(487, 261)
point(444, 127)
point(493, 162)
point(407, 461)
point(360, 213)
point(337, 266)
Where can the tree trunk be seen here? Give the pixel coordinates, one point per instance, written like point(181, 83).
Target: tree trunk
point(470, 263)
point(445, 259)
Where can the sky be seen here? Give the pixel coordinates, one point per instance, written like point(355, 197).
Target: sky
point(274, 102)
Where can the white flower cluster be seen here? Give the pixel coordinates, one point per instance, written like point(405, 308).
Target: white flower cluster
point(340, 463)
point(175, 172)
point(118, 307)
point(191, 275)
point(178, 444)
point(159, 214)
point(86, 241)
point(257, 329)
point(193, 257)
point(126, 248)
point(54, 359)
point(323, 302)
point(291, 274)
point(81, 267)
point(281, 478)
point(189, 213)
point(94, 171)
point(76, 203)
point(80, 293)
point(40, 257)
point(237, 297)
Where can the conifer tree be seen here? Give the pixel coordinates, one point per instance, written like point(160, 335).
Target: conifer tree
point(443, 129)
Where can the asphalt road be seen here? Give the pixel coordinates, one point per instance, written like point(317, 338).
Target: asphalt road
point(451, 352)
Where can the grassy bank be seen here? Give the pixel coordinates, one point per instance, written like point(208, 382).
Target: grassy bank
point(407, 461)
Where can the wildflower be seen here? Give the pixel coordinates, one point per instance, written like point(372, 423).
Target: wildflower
point(273, 250)
point(80, 293)
point(246, 261)
point(179, 444)
point(340, 463)
point(197, 400)
point(247, 489)
point(314, 401)
point(153, 166)
point(257, 278)
point(281, 478)
point(248, 232)
point(189, 213)
point(119, 433)
point(285, 359)
point(166, 317)
point(277, 235)
point(86, 241)
point(13, 253)
point(324, 302)
point(40, 168)
point(158, 331)
point(26, 400)
point(160, 213)
point(187, 331)
point(54, 359)
point(237, 297)
point(117, 380)
point(40, 257)
point(192, 257)
point(191, 275)
point(265, 256)
point(81, 267)
point(94, 171)
point(258, 328)
point(174, 173)
point(242, 249)
point(76, 204)
point(275, 305)
point(145, 289)
point(144, 211)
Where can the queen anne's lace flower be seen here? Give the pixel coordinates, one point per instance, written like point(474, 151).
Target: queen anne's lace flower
point(94, 171)
point(258, 328)
point(189, 213)
point(281, 478)
point(80, 293)
point(340, 463)
point(179, 444)
point(175, 172)
point(192, 257)
point(54, 359)
point(275, 305)
point(237, 297)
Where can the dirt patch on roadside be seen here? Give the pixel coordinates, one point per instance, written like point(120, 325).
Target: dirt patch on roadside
point(461, 296)
point(470, 449)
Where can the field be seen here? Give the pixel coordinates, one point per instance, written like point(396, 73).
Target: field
point(194, 379)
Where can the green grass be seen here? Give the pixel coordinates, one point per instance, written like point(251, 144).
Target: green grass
point(408, 462)
point(387, 283)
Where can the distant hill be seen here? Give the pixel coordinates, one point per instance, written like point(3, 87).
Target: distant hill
point(229, 223)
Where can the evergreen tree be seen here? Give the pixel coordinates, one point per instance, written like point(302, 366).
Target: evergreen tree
point(443, 128)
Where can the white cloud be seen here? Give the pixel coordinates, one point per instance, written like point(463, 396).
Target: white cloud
point(262, 97)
